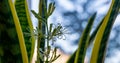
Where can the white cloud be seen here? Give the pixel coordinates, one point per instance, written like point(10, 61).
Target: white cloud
point(115, 58)
point(66, 5)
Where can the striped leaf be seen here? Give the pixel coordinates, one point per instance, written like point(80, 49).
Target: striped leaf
point(19, 32)
point(102, 36)
point(78, 56)
point(26, 23)
point(82, 47)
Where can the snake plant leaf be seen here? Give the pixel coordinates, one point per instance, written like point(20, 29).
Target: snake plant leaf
point(82, 47)
point(92, 36)
point(26, 23)
point(102, 36)
point(78, 56)
point(19, 33)
point(8, 36)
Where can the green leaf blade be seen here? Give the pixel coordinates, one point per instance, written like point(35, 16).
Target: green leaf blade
point(26, 24)
point(79, 54)
point(101, 39)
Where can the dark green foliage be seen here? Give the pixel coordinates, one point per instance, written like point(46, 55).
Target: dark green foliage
point(9, 44)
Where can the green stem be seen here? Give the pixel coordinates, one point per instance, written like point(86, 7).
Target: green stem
point(41, 26)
